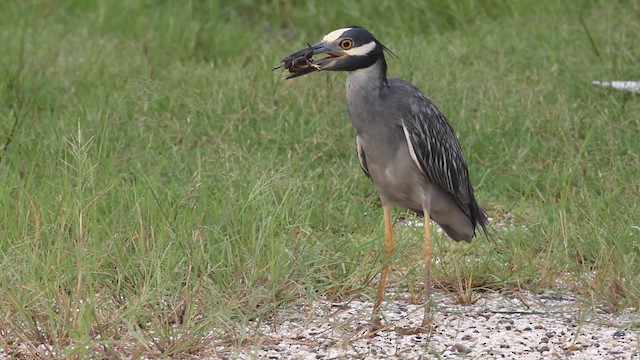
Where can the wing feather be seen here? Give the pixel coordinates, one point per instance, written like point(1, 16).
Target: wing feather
point(436, 151)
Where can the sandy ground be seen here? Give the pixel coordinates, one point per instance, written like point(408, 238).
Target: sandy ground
point(511, 326)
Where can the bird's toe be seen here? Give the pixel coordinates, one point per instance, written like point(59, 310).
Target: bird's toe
point(370, 329)
point(422, 329)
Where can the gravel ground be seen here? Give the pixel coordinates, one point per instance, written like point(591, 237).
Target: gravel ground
point(512, 326)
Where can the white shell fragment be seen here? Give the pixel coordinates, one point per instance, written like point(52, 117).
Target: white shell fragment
point(633, 86)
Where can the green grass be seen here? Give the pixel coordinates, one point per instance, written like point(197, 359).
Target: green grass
point(161, 187)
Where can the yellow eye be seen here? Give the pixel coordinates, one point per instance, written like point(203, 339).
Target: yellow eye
point(346, 44)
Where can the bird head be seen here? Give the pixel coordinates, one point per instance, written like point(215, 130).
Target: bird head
point(347, 49)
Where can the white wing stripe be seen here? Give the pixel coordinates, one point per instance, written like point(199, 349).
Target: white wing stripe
point(359, 151)
point(412, 151)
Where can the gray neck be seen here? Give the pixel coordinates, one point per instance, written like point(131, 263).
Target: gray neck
point(370, 80)
point(365, 87)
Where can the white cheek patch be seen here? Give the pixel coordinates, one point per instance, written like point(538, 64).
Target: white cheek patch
point(334, 35)
point(362, 49)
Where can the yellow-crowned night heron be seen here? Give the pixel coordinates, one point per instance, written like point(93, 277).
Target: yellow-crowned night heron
point(404, 143)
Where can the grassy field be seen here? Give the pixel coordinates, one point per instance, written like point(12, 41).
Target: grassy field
point(161, 186)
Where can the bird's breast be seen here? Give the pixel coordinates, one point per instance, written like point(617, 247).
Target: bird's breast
point(395, 175)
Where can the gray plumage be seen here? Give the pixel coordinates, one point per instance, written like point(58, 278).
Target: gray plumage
point(404, 144)
point(387, 112)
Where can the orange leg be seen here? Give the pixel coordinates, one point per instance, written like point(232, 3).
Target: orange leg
point(388, 251)
point(428, 254)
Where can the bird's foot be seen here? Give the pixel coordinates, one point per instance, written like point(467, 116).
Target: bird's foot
point(426, 327)
point(369, 330)
point(422, 329)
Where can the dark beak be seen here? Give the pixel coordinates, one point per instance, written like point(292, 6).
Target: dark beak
point(301, 62)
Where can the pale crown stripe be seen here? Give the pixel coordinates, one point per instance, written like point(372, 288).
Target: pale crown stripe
point(334, 35)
